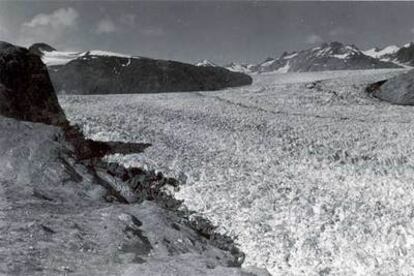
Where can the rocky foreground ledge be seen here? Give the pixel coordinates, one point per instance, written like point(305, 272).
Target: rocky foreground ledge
point(63, 211)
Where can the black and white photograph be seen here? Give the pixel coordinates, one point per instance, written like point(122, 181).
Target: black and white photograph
point(216, 138)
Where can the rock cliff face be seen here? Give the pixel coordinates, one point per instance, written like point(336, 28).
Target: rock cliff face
point(26, 92)
point(64, 211)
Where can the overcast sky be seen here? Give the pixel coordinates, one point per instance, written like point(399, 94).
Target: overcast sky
point(247, 31)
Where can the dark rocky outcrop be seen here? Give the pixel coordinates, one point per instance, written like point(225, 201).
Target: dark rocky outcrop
point(26, 92)
point(119, 75)
point(397, 90)
point(40, 48)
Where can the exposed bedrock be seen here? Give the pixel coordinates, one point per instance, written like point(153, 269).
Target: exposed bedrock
point(397, 90)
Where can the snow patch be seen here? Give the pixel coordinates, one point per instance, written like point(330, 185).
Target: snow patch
point(52, 58)
point(284, 69)
point(206, 63)
point(290, 56)
point(376, 53)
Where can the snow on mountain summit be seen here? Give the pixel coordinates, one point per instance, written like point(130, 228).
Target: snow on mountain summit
point(336, 50)
point(327, 56)
point(206, 62)
point(382, 53)
point(241, 67)
point(403, 56)
point(52, 57)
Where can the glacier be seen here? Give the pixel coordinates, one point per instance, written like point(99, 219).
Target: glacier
point(311, 179)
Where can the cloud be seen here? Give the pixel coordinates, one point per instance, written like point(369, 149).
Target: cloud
point(412, 30)
point(105, 26)
point(49, 28)
point(63, 17)
point(313, 39)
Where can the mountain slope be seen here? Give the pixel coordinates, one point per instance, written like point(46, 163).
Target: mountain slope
point(405, 55)
point(399, 55)
point(102, 72)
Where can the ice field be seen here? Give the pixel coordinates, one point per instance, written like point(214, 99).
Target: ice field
point(312, 175)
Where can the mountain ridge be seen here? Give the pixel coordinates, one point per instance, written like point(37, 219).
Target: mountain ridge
point(327, 56)
point(104, 72)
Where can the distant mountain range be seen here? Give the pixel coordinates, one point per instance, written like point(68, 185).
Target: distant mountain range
point(401, 55)
point(332, 56)
point(103, 72)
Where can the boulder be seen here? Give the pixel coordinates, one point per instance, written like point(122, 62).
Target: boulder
point(40, 48)
point(397, 90)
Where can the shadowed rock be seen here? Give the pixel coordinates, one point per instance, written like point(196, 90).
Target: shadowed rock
point(26, 92)
point(89, 149)
point(39, 48)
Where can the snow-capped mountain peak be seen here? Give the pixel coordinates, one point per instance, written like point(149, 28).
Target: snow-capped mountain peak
point(382, 53)
point(53, 57)
point(336, 50)
point(408, 45)
point(327, 56)
point(243, 68)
